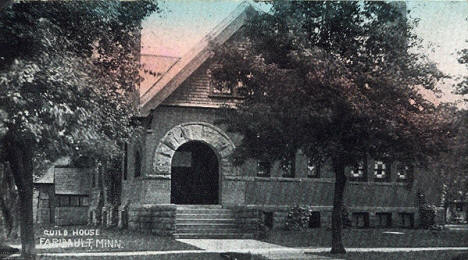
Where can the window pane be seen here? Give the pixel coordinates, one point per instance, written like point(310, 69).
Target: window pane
point(63, 201)
point(359, 171)
point(84, 201)
point(74, 201)
point(381, 171)
point(313, 169)
point(263, 168)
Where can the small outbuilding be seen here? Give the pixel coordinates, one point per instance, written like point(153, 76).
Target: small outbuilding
point(63, 196)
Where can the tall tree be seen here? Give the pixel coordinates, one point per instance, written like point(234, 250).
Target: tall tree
point(336, 80)
point(67, 77)
point(462, 86)
point(452, 168)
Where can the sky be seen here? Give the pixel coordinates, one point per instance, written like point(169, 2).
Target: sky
point(442, 26)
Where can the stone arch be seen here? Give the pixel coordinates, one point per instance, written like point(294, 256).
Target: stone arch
point(193, 131)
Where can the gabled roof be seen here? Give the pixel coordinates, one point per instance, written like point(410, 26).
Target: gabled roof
point(72, 181)
point(153, 68)
point(48, 177)
point(190, 62)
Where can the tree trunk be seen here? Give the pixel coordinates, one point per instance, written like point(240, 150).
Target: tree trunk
point(20, 156)
point(8, 202)
point(337, 218)
point(293, 165)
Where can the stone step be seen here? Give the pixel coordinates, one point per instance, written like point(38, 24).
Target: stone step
point(206, 227)
point(203, 211)
point(288, 255)
point(205, 221)
point(222, 235)
point(208, 221)
point(204, 216)
point(199, 207)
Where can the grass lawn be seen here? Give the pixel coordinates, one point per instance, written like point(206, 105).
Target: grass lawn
point(370, 237)
point(201, 256)
point(425, 255)
point(127, 240)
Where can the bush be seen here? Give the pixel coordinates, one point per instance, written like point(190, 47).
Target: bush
point(427, 213)
point(298, 218)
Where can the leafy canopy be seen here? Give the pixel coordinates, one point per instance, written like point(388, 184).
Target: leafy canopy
point(67, 74)
point(334, 79)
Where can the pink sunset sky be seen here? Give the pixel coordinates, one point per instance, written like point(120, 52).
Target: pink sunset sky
point(183, 23)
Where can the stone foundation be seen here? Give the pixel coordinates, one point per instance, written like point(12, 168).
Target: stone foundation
point(109, 216)
point(123, 217)
point(279, 215)
point(154, 219)
point(70, 216)
point(248, 220)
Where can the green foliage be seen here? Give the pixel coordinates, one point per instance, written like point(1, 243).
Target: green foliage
point(298, 218)
point(451, 169)
point(334, 79)
point(462, 86)
point(427, 212)
point(68, 74)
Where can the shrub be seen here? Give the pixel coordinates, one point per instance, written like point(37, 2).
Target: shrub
point(427, 213)
point(298, 218)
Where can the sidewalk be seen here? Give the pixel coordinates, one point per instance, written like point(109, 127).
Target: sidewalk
point(249, 246)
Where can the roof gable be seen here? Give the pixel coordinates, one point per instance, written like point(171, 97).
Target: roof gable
point(72, 181)
point(191, 61)
point(153, 68)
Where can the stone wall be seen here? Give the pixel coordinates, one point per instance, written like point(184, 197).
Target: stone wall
point(248, 220)
point(155, 219)
point(45, 213)
point(279, 214)
point(71, 215)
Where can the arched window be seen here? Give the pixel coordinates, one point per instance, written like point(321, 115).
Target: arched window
point(137, 164)
point(359, 171)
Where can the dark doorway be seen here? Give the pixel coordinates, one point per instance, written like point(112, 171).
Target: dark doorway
point(194, 175)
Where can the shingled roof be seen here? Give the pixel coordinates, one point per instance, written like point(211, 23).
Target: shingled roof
point(72, 181)
point(158, 89)
point(153, 68)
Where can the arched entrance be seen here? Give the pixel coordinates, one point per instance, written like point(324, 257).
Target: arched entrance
point(194, 174)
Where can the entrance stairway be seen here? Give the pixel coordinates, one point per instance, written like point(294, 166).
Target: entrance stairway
point(207, 221)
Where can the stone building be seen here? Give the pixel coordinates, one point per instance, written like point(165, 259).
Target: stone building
point(178, 178)
point(62, 196)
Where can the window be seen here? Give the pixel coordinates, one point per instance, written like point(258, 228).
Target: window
point(223, 89)
point(314, 219)
point(72, 200)
point(84, 201)
point(63, 200)
point(384, 219)
point(381, 171)
point(263, 169)
point(404, 172)
point(137, 164)
point(313, 169)
point(406, 219)
point(287, 169)
point(359, 171)
point(459, 207)
point(360, 219)
point(268, 219)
